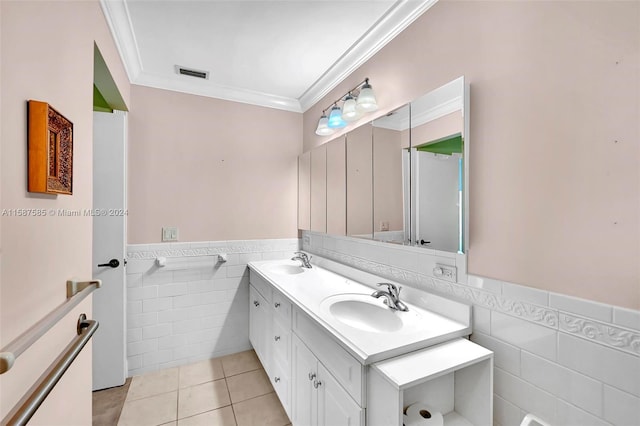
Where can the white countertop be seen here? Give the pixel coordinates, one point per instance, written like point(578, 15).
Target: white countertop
point(307, 291)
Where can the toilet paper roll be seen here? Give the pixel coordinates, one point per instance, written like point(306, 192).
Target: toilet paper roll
point(420, 414)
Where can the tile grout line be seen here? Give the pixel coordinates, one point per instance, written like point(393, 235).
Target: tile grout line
point(178, 398)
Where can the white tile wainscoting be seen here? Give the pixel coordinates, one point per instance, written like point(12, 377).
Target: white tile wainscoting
point(194, 307)
point(568, 360)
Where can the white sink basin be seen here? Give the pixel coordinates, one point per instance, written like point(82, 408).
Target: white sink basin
point(285, 269)
point(366, 313)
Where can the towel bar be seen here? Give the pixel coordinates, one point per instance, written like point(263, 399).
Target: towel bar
point(35, 396)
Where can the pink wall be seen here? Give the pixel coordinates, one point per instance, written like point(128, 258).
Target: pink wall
point(441, 127)
point(217, 170)
point(387, 179)
point(47, 54)
point(555, 196)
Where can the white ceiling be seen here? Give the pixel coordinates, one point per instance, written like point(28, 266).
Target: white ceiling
point(284, 54)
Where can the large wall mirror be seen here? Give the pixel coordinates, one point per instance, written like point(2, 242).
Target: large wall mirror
point(401, 178)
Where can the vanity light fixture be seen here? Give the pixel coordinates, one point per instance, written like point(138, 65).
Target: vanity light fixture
point(356, 102)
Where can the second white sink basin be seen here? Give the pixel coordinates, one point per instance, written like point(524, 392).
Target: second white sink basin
point(366, 313)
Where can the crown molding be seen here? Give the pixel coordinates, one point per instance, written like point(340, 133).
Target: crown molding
point(117, 15)
point(402, 122)
point(437, 111)
point(212, 90)
point(403, 13)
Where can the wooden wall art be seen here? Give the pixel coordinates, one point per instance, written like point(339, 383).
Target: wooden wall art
point(50, 150)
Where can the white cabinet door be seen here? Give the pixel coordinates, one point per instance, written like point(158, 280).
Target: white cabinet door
point(303, 395)
point(335, 406)
point(258, 325)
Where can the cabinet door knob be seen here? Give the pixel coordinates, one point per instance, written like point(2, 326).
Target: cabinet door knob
point(312, 376)
point(256, 303)
point(277, 304)
point(276, 379)
point(276, 338)
point(317, 384)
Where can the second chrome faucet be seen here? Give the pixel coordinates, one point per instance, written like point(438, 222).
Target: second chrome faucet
point(392, 296)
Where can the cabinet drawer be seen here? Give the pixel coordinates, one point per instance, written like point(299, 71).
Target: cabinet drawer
point(263, 287)
point(346, 369)
point(281, 384)
point(282, 309)
point(281, 340)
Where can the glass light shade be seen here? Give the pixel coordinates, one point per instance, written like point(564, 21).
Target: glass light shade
point(349, 110)
point(335, 118)
point(323, 128)
point(367, 99)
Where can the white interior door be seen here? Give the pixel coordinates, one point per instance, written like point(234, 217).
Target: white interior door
point(109, 230)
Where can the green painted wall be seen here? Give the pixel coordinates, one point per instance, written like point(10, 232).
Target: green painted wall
point(447, 145)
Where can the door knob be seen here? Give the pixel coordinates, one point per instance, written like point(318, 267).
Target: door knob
point(113, 263)
point(423, 242)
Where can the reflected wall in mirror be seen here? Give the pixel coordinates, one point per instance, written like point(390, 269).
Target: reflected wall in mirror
point(438, 163)
point(402, 178)
point(319, 189)
point(360, 182)
point(304, 191)
point(337, 186)
point(390, 175)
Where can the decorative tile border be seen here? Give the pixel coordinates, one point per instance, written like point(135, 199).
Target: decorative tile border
point(150, 252)
point(606, 334)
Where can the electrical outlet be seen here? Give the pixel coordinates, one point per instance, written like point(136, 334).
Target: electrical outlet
point(169, 233)
point(445, 272)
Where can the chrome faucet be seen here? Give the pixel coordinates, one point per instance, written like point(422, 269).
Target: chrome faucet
point(392, 296)
point(302, 257)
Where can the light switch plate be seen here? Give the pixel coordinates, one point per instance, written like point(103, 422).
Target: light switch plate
point(169, 233)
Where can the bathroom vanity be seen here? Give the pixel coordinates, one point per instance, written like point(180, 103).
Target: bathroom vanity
point(338, 356)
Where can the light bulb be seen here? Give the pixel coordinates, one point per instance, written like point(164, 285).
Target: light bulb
point(367, 99)
point(335, 118)
point(323, 128)
point(349, 110)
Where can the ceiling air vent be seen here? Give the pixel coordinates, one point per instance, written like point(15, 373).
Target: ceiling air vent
point(192, 73)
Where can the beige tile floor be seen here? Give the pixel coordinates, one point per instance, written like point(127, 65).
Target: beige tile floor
point(228, 391)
